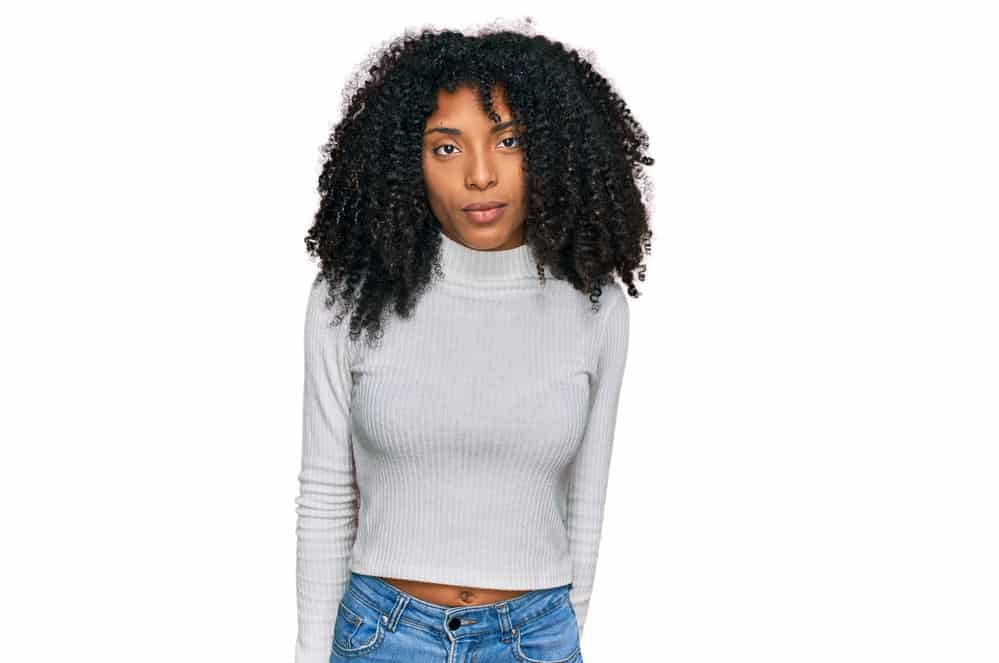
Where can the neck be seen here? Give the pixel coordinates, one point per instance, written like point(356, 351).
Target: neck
point(465, 263)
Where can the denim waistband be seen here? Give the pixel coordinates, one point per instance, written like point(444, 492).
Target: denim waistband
point(460, 621)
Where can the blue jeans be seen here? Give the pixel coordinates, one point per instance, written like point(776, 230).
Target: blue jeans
point(379, 623)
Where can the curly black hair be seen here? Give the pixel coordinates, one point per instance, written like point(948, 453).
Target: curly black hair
point(374, 233)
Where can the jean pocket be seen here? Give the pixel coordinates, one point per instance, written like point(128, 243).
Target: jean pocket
point(549, 638)
point(358, 629)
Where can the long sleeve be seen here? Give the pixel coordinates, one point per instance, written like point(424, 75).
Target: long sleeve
point(590, 468)
point(327, 502)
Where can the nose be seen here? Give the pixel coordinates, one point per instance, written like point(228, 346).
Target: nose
point(481, 173)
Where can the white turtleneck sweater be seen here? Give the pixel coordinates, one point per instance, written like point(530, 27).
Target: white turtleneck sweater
point(472, 447)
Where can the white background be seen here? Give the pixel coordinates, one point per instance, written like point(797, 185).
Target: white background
point(805, 465)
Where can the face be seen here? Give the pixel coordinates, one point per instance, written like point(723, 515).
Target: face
point(468, 158)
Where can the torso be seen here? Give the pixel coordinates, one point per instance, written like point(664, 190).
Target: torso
point(452, 595)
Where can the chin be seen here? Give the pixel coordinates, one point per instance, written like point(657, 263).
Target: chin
point(485, 234)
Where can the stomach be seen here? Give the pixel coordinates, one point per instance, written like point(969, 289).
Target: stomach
point(452, 595)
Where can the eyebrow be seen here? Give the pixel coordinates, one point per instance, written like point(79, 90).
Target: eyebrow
point(457, 132)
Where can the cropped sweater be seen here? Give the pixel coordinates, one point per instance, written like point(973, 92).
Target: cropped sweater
point(470, 447)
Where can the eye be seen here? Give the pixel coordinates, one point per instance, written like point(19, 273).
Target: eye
point(444, 145)
point(516, 138)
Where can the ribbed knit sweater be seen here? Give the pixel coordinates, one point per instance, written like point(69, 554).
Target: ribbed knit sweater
point(471, 447)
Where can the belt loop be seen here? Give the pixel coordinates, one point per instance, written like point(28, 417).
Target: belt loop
point(506, 626)
point(401, 602)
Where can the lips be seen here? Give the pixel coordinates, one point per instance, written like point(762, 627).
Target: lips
point(487, 215)
point(483, 206)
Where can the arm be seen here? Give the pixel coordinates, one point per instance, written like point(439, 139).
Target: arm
point(327, 501)
point(591, 466)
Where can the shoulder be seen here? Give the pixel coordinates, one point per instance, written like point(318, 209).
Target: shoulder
point(611, 322)
point(615, 293)
point(321, 327)
point(316, 309)
point(614, 305)
point(319, 293)
point(616, 323)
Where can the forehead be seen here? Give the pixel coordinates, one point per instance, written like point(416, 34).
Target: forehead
point(462, 107)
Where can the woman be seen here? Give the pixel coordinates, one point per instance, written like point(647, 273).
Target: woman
point(454, 467)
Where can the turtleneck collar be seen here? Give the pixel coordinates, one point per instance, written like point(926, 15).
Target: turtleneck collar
point(464, 263)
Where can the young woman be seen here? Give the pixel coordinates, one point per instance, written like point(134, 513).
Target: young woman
point(454, 466)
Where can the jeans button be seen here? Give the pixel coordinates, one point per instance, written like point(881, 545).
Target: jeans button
point(454, 623)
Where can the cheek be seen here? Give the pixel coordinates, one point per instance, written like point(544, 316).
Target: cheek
point(518, 177)
point(433, 180)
